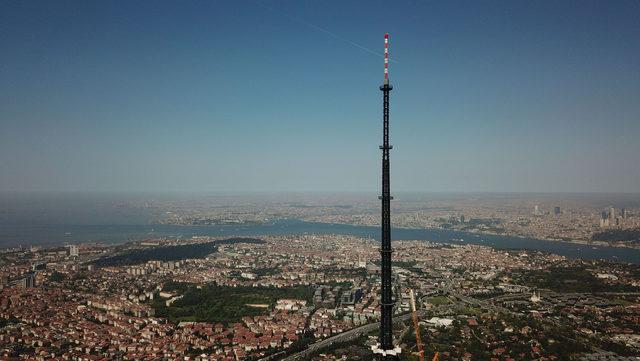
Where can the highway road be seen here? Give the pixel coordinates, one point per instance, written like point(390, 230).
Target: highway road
point(368, 328)
point(340, 338)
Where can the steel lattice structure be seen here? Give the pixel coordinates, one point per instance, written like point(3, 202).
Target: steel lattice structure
point(385, 347)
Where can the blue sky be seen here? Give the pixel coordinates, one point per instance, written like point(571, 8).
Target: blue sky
point(280, 96)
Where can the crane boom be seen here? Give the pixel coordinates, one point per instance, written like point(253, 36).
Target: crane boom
point(416, 326)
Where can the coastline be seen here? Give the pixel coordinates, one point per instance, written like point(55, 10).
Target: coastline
point(616, 244)
point(60, 235)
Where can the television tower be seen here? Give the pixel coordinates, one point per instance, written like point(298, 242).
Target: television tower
point(385, 347)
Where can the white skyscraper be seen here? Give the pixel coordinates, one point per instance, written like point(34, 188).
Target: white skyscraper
point(73, 250)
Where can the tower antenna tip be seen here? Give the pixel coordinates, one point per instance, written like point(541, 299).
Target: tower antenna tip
point(386, 58)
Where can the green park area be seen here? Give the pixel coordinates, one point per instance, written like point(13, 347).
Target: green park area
point(169, 253)
point(438, 300)
point(569, 279)
point(225, 304)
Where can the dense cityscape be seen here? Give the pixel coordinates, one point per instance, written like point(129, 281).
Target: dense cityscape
point(576, 219)
point(317, 296)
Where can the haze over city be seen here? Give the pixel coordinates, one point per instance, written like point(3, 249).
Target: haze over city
point(282, 96)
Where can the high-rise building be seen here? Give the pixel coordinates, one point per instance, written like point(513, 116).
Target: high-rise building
point(362, 261)
point(612, 213)
point(557, 211)
point(536, 210)
point(604, 219)
point(623, 213)
point(73, 250)
point(28, 281)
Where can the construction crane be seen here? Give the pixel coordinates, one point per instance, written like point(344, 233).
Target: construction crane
point(416, 326)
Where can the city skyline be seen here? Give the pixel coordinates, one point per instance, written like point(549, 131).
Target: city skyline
point(261, 96)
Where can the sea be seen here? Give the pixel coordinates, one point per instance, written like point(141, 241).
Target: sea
point(59, 219)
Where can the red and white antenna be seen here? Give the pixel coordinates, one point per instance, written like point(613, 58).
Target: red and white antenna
point(386, 58)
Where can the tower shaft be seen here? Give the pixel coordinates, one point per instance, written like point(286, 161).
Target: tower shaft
point(385, 345)
point(385, 249)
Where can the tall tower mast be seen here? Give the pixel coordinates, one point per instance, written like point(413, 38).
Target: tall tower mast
point(385, 347)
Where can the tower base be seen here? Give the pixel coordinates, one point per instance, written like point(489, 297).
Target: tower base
point(386, 354)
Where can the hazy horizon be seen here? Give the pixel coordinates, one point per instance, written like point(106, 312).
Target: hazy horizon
point(255, 96)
